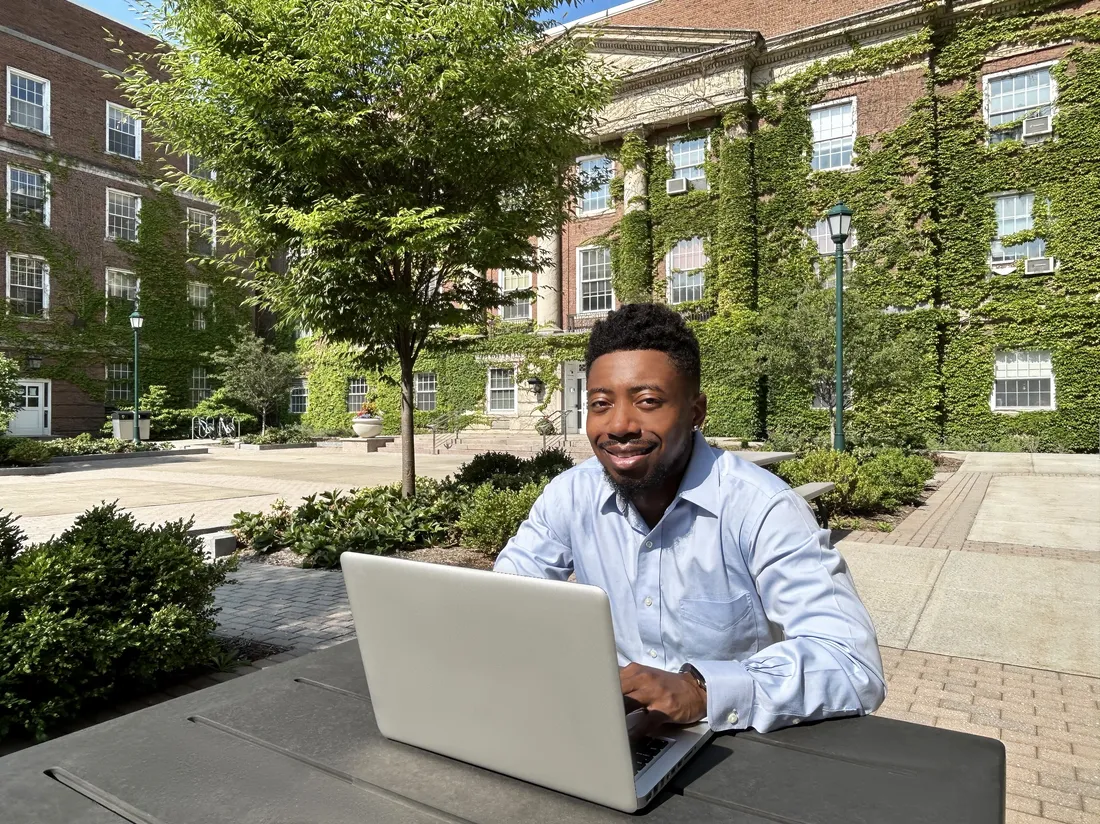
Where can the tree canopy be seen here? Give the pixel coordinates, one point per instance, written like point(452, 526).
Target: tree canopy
point(255, 374)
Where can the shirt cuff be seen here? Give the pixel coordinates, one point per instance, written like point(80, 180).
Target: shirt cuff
point(730, 691)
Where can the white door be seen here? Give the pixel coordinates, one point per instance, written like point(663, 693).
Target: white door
point(32, 415)
point(576, 397)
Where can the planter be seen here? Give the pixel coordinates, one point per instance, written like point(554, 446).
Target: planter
point(366, 427)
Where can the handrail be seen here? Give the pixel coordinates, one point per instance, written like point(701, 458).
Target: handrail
point(450, 424)
point(559, 422)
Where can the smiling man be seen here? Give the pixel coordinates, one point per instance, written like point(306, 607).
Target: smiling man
point(728, 602)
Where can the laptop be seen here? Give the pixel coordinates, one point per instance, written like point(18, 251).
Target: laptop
point(516, 675)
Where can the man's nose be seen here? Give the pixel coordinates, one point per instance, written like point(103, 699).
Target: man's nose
point(622, 424)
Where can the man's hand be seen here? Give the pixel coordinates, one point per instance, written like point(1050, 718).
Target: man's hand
point(675, 696)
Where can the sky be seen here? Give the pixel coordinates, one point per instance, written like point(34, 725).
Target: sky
point(120, 9)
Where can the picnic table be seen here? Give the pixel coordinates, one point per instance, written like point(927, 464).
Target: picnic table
point(298, 744)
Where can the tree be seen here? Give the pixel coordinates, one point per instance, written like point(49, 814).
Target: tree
point(9, 391)
point(397, 150)
point(253, 373)
point(798, 345)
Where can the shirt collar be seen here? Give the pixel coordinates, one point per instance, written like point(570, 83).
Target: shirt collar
point(699, 485)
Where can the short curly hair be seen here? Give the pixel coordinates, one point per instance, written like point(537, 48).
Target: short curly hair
point(647, 326)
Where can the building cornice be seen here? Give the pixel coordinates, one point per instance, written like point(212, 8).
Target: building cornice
point(734, 54)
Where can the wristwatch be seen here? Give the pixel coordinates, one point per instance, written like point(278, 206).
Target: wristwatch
point(694, 673)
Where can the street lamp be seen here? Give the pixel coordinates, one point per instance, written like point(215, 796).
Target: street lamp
point(840, 225)
point(136, 320)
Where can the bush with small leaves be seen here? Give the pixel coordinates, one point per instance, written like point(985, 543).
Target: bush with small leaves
point(23, 452)
point(492, 516)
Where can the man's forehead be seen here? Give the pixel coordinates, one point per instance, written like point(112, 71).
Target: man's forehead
point(646, 368)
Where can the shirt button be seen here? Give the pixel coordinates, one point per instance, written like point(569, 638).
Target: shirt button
point(649, 544)
point(648, 601)
point(732, 717)
point(653, 653)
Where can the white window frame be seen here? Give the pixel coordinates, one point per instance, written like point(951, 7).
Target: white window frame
point(107, 214)
point(611, 279)
point(610, 207)
point(195, 308)
point(45, 283)
point(299, 389)
point(45, 100)
point(840, 101)
point(1046, 64)
point(213, 228)
point(489, 389)
point(117, 271)
point(205, 388)
point(136, 117)
point(212, 174)
point(46, 201)
point(1011, 410)
point(515, 305)
point(1005, 267)
point(850, 245)
point(113, 381)
point(348, 394)
point(433, 391)
point(682, 139)
point(701, 271)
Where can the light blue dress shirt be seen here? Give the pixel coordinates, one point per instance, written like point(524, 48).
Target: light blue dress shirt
point(736, 578)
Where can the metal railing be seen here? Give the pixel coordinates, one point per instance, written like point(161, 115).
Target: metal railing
point(554, 429)
point(583, 321)
point(445, 430)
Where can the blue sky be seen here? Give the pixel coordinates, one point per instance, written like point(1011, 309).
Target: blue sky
point(120, 9)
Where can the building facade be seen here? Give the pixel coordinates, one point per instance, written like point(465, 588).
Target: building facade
point(88, 235)
point(962, 134)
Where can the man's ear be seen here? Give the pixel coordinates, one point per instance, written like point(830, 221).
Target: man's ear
point(699, 411)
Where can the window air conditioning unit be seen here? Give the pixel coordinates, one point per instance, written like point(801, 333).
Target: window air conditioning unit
point(676, 186)
point(1039, 266)
point(1037, 126)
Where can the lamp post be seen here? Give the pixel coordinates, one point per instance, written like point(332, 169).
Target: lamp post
point(136, 320)
point(840, 224)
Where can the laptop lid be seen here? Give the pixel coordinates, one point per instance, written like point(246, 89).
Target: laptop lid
point(517, 675)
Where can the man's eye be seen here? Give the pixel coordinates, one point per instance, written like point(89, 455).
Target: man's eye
point(597, 404)
point(649, 402)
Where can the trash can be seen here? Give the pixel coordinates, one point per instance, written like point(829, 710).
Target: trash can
point(122, 424)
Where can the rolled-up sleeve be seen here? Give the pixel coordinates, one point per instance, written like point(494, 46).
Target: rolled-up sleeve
point(828, 663)
point(537, 550)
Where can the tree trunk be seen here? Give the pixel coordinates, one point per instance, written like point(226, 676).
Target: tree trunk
point(263, 421)
point(408, 443)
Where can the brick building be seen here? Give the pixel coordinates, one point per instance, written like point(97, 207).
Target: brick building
point(79, 186)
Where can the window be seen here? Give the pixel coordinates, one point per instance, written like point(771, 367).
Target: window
point(299, 397)
point(202, 231)
point(357, 394)
point(122, 285)
point(596, 171)
point(823, 240)
point(687, 158)
point(1014, 214)
point(120, 381)
point(28, 285)
point(28, 195)
point(684, 266)
point(28, 101)
point(425, 391)
point(302, 332)
point(123, 132)
point(594, 276)
point(201, 298)
point(196, 168)
point(123, 209)
point(1023, 380)
point(200, 385)
point(518, 309)
point(502, 390)
point(1011, 98)
point(834, 128)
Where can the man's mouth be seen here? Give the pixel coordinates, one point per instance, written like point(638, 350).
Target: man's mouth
point(625, 456)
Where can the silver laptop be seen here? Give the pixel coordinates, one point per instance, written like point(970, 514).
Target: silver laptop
point(517, 675)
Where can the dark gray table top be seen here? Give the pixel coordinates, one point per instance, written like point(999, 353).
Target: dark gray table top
point(297, 744)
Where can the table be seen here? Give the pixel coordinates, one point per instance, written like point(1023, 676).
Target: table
point(297, 744)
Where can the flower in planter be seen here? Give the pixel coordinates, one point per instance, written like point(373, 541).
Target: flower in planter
point(369, 409)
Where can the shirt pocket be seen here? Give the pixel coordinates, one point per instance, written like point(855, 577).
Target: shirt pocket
point(717, 630)
point(717, 615)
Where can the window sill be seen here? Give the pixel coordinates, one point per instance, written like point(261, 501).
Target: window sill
point(28, 129)
point(601, 213)
point(109, 153)
point(1011, 411)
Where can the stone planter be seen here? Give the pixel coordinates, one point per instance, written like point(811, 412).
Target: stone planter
point(366, 427)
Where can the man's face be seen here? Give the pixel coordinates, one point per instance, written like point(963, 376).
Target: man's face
point(641, 413)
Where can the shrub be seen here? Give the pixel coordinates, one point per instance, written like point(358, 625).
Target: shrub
point(23, 452)
point(106, 607)
point(283, 434)
point(481, 468)
point(12, 537)
point(491, 516)
point(506, 471)
point(890, 479)
point(85, 444)
point(825, 465)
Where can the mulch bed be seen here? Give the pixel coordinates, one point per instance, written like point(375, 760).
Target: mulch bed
point(451, 556)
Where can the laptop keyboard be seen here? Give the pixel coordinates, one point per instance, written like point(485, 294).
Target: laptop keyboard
point(646, 749)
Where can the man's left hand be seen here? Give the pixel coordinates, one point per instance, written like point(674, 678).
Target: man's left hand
point(675, 696)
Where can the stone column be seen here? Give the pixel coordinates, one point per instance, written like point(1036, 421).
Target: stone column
point(548, 300)
point(634, 188)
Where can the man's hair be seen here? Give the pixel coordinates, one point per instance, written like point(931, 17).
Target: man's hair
point(647, 326)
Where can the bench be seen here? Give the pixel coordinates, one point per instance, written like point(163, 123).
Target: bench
point(809, 492)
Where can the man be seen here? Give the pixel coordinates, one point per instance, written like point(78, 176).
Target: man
point(727, 601)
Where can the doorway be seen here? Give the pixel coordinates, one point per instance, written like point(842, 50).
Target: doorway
point(576, 397)
point(32, 413)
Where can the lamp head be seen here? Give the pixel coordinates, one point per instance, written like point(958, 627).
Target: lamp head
point(840, 223)
point(136, 319)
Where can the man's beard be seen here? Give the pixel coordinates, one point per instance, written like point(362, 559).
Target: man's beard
point(630, 487)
